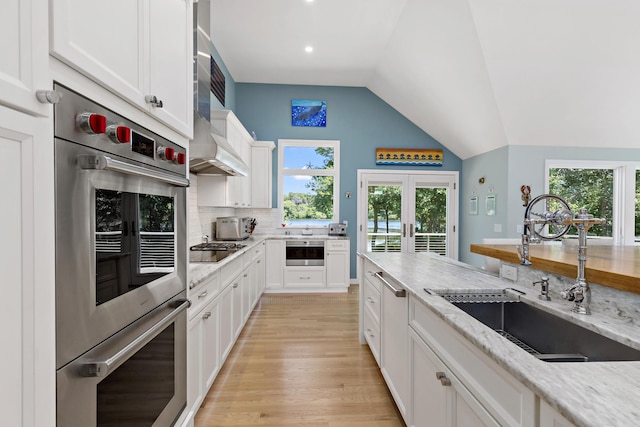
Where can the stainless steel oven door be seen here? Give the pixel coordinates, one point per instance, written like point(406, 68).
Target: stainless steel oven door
point(135, 378)
point(118, 240)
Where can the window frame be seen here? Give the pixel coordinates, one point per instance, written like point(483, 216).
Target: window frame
point(335, 172)
point(624, 190)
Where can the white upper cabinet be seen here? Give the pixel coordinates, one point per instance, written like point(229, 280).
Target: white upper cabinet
point(24, 52)
point(141, 50)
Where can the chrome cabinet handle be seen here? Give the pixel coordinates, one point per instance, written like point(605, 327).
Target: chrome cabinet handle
point(305, 278)
point(153, 100)
point(206, 315)
point(400, 293)
point(48, 96)
point(443, 379)
point(370, 333)
point(371, 301)
point(203, 294)
point(235, 285)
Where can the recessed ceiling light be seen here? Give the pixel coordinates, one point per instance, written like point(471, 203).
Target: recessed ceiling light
point(308, 49)
point(309, 1)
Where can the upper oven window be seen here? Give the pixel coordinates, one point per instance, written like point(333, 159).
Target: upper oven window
point(135, 241)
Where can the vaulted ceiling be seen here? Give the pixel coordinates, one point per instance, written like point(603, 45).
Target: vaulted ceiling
point(474, 74)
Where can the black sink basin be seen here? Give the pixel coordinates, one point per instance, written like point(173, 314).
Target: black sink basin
point(548, 337)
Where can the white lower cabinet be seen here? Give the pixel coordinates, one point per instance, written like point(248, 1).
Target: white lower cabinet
point(394, 343)
point(304, 277)
point(221, 305)
point(477, 392)
point(438, 398)
point(274, 259)
point(337, 263)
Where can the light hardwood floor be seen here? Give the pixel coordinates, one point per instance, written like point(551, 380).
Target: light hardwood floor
point(298, 362)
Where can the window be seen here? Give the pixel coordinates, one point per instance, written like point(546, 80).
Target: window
point(606, 189)
point(309, 182)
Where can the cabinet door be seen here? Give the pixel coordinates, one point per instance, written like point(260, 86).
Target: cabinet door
point(261, 179)
point(247, 290)
point(338, 265)
point(225, 311)
point(237, 315)
point(394, 343)
point(103, 41)
point(25, 55)
point(428, 396)
point(274, 259)
point(170, 52)
point(27, 266)
point(260, 276)
point(210, 352)
point(195, 375)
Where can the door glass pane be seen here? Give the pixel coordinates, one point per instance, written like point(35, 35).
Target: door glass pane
point(586, 188)
point(431, 220)
point(384, 218)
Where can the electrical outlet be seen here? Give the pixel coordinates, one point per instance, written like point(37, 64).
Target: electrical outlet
point(509, 272)
point(519, 228)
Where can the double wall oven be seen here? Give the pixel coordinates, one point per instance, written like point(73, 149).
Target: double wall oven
point(121, 261)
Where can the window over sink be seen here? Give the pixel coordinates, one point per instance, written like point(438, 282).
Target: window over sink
point(309, 182)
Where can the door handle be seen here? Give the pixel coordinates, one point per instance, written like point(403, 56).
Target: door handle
point(404, 230)
point(410, 230)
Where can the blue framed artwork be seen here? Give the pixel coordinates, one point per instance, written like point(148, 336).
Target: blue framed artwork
point(306, 112)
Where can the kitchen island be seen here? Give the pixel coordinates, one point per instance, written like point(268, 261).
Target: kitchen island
point(584, 394)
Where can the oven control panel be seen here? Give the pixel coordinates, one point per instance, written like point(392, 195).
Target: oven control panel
point(85, 122)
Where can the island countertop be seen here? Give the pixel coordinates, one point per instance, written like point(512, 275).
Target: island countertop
point(587, 394)
point(613, 266)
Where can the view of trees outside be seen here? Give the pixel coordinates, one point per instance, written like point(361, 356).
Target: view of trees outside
point(315, 204)
point(156, 213)
point(385, 218)
point(587, 188)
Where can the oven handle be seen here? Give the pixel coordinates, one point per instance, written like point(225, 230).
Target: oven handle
point(102, 368)
point(100, 162)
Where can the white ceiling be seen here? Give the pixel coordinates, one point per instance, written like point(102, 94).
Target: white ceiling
point(475, 74)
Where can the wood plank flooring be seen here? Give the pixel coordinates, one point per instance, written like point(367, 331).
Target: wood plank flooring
point(298, 362)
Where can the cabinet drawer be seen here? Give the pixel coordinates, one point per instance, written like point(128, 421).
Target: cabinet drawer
point(372, 299)
point(230, 270)
point(204, 292)
point(337, 245)
point(304, 277)
point(370, 270)
point(372, 335)
point(256, 251)
point(506, 399)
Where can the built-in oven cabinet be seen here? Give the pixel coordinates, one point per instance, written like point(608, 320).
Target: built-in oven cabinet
point(140, 50)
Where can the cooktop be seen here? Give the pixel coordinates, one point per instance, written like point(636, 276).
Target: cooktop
point(213, 251)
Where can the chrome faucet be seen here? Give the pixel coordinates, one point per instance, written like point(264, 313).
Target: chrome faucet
point(556, 225)
point(544, 288)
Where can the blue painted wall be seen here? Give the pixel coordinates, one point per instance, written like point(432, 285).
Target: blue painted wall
point(355, 116)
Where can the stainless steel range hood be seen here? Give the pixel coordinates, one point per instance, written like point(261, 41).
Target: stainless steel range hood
point(210, 153)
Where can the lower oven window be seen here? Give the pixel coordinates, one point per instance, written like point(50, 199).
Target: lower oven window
point(140, 389)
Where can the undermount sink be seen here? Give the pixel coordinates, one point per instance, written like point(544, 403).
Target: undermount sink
point(542, 334)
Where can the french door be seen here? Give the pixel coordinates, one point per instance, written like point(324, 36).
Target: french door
point(401, 211)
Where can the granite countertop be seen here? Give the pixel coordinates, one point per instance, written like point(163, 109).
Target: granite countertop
point(587, 394)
